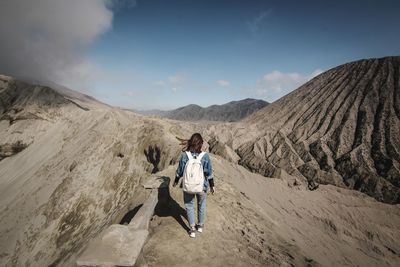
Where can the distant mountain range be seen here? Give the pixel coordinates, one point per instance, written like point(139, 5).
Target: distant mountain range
point(232, 111)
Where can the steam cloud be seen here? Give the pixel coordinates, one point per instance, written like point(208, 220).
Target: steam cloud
point(45, 40)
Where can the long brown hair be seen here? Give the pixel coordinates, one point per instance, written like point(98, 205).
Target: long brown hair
point(194, 144)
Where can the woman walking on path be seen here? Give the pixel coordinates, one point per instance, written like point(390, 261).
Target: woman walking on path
point(195, 166)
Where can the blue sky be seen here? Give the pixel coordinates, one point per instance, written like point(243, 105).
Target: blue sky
point(165, 54)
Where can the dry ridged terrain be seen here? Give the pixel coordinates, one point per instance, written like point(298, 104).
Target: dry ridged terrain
point(71, 166)
point(77, 172)
point(340, 128)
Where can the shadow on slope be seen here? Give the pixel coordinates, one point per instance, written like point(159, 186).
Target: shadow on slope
point(168, 207)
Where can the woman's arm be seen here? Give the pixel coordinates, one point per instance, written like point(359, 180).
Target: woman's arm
point(208, 171)
point(180, 169)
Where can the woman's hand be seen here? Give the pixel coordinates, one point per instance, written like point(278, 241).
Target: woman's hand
point(212, 190)
point(174, 184)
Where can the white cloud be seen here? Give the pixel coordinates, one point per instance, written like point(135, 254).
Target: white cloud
point(315, 73)
point(46, 40)
point(174, 82)
point(276, 84)
point(223, 83)
point(257, 22)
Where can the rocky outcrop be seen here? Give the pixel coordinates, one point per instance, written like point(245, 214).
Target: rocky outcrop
point(23, 101)
point(341, 128)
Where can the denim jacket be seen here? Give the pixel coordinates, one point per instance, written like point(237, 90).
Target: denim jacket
point(207, 168)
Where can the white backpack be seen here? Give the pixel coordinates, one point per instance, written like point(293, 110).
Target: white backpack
point(193, 175)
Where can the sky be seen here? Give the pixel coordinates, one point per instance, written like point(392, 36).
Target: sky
point(164, 54)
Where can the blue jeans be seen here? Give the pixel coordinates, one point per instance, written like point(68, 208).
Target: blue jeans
point(201, 207)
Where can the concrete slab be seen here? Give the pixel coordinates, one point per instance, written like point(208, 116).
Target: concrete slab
point(154, 182)
point(118, 246)
point(143, 216)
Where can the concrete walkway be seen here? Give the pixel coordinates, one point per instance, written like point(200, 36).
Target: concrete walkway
point(120, 245)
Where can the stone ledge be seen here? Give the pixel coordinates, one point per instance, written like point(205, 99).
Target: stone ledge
point(154, 182)
point(143, 216)
point(118, 246)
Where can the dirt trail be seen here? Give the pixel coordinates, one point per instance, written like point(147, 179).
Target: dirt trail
point(235, 234)
point(253, 220)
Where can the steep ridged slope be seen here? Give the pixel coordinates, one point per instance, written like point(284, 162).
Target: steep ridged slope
point(24, 101)
point(79, 170)
point(342, 128)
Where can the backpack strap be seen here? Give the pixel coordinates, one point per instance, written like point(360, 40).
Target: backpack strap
point(189, 154)
point(200, 156)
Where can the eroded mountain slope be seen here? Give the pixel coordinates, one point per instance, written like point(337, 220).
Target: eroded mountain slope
point(78, 172)
point(340, 128)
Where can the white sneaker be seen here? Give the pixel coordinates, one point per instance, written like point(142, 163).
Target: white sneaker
point(199, 228)
point(192, 233)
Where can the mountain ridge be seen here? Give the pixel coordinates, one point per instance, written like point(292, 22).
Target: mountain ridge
point(231, 111)
point(342, 127)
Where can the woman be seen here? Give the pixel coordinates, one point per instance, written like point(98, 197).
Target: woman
point(193, 146)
